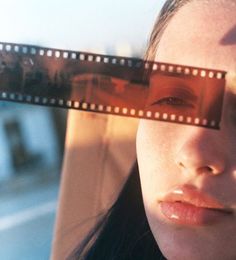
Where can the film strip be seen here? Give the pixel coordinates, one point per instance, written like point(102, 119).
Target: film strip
point(110, 84)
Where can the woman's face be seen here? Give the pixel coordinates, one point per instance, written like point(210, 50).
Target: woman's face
point(193, 165)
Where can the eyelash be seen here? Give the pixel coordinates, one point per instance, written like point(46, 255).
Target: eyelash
point(173, 101)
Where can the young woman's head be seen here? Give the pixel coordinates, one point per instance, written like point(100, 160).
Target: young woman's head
point(186, 163)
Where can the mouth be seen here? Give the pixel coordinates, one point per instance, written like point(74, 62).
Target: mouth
point(188, 206)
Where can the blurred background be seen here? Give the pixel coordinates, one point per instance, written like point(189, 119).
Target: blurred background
point(32, 137)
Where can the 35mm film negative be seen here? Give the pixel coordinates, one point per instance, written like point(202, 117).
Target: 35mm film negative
point(110, 84)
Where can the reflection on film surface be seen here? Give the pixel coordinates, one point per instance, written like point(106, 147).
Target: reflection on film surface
point(109, 84)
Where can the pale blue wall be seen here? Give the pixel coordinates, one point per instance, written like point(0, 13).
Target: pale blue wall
point(39, 136)
point(77, 24)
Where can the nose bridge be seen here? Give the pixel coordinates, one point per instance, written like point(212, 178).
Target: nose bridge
point(202, 151)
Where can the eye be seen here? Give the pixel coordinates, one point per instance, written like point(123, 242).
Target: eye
point(173, 101)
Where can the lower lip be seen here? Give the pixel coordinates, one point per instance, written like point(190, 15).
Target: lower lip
point(187, 214)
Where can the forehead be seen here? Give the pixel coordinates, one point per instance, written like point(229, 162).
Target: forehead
point(201, 34)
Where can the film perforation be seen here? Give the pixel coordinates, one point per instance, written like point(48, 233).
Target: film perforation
point(73, 56)
point(25, 49)
point(20, 97)
point(49, 53)
point(81, 56)
point(138, 64)
point(114, 61)
point(179, 69)
point(132, 112)
point(8, 47)
point(61, 102)
point(44, 100)
point(155, 67)
point(65, 55)
point(108, 109)
point(130, 63)
point(170, 68)
point(98, 59)
point(189, 119)
point(69, 103)
point(4, 95)
point(90, 57)
point(84, 105)
point(32, 51)
point(41, 52)
point(163, 67)
point(157, 115)
point(52, 101)
point(197, 121)
point(92, 107)
point(147, 65)
point(100, 107)
point(165, 116)
point(149, 114)
point(12, 96)
point(57, 54)
point(140, 113)
point(203, 73)
point(124, 110)
point(36, 99)
point(187, 71)
point(116, 110)
point(213, 123)
point(16, 48)
point(28, 98)
point(106, 59)
point(204, 122)
point(76, 104)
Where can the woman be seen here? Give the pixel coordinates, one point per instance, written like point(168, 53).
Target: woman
point(179, 165)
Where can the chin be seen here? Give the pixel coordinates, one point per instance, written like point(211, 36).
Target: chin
point(184, 243)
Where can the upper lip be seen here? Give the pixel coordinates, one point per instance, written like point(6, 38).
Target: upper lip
point(191, 195)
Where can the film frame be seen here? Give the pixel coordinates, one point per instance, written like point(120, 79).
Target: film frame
point(106, 84)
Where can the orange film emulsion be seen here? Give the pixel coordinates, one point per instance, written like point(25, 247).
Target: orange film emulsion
point(110, 84)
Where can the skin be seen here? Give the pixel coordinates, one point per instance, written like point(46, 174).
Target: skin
point(171, 154)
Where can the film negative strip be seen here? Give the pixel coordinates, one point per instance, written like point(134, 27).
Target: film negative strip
point(110, 84)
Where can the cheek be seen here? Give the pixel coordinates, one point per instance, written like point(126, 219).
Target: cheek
point(155, 153)
point(148, 145)
point(155, 161)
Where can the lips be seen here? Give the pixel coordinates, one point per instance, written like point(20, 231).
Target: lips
point(186, 205)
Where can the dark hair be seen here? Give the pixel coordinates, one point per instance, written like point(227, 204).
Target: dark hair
point(124, 232)
point(169, 9)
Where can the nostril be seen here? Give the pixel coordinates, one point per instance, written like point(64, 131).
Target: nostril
point(209, 169)
point(200, 165)
point(205, 169)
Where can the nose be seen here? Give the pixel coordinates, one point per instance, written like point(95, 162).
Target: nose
point(202, 153)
